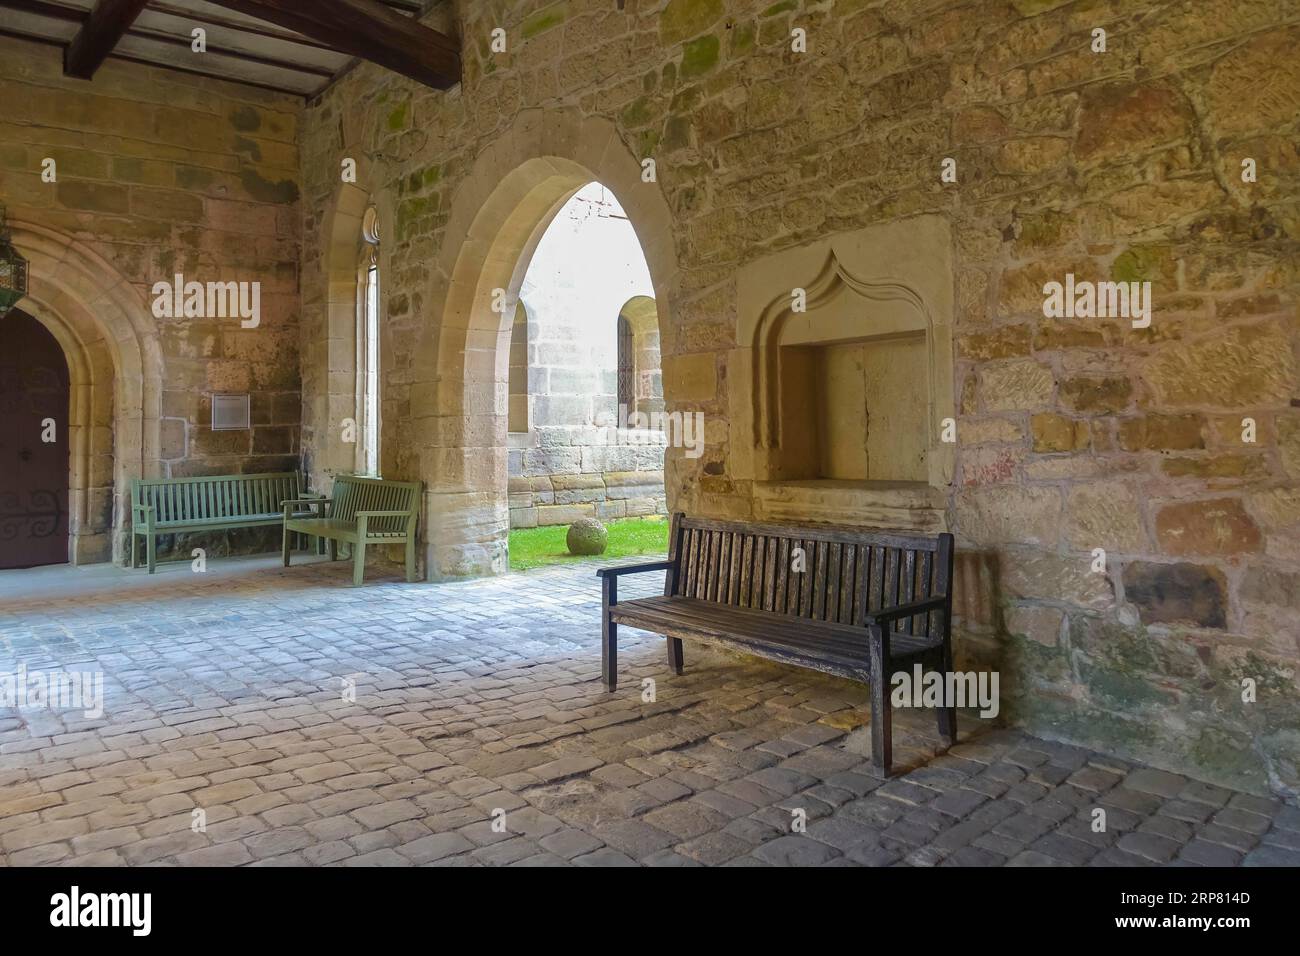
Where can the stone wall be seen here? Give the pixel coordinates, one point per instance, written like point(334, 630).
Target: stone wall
point(1072, 435)
point(159, 173)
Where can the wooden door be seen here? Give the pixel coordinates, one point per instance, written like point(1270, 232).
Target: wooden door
point(33, 469)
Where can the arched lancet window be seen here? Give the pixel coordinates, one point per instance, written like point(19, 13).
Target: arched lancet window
point(626, 367)
point(368, 347)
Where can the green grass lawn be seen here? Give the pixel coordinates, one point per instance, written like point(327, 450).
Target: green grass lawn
point(538, 547)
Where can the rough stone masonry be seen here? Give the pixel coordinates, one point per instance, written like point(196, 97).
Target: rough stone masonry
point(1126, 500)
point(1072, 435)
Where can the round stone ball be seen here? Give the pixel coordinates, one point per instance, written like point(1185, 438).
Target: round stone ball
point(586, 536)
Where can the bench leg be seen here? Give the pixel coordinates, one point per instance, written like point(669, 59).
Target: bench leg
point(358, 563)
point(608, 633)
point(284, 545)
point(882, 741)
point(675, 658)
point(150, 549)
point(334, 550)
point(134, 562)
point(948, 715)
point(410, 560)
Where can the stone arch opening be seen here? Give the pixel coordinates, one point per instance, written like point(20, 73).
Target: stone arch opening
point(115, 371)
point(642, 315)
point(498, 216)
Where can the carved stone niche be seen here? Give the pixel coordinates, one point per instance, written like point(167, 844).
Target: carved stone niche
point(837, 410)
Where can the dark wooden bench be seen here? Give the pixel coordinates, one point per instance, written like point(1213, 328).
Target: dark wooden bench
point(868, 603)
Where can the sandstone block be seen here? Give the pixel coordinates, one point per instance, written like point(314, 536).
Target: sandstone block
point(1097, 394)
point(563, 514)
point(1001, 514)
point(1118, 119)
point(1242, 366)
point(691, 378)
point(1047, 576)
point(1054, 433)
point(1105, 514)
point(1218, 526)
point(1023, 384)
point(981, 431)
point(1159, 432)
point(1237, 98)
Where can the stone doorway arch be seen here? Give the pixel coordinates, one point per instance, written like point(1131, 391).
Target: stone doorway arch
point(115, 368)
point(498, 215)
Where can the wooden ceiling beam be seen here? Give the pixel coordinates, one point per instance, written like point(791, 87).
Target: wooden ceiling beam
point(366, 29)
point(98, 35)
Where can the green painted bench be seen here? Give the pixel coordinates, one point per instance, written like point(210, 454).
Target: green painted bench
point(211, 503)
point(360, 512)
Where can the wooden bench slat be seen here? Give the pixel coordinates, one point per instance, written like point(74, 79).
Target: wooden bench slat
point(818, 532)
point(710, 614)
point(692, 618)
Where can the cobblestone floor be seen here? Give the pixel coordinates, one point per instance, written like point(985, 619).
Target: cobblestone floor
point(480, 702)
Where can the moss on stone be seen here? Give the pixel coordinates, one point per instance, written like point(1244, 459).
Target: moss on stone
point(586, 536)
point(397, 117)
point(742, 38)
point(410, 211)
point(1122, 690)
point(778, 8)
point(637, 113)
point(677, 133)
point(248, 147)
point(1105, 643)
point(193, 177)
point(699, 56)
point(1227, 757)
point(1138, 264)
point(246, 119)
point(1042, 231)
point(646, 142)
point(422, 179)
point(1031, 8)
point(1025, 656)
point(682, 19)
point(264, 190)
point(544, 19)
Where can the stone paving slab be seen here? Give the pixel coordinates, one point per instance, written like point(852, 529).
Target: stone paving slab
point(305, 723)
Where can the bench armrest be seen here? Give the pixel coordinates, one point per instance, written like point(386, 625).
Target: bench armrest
point(287, 504)
point(635, 568)
point(383, 514)
point(884, 615)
